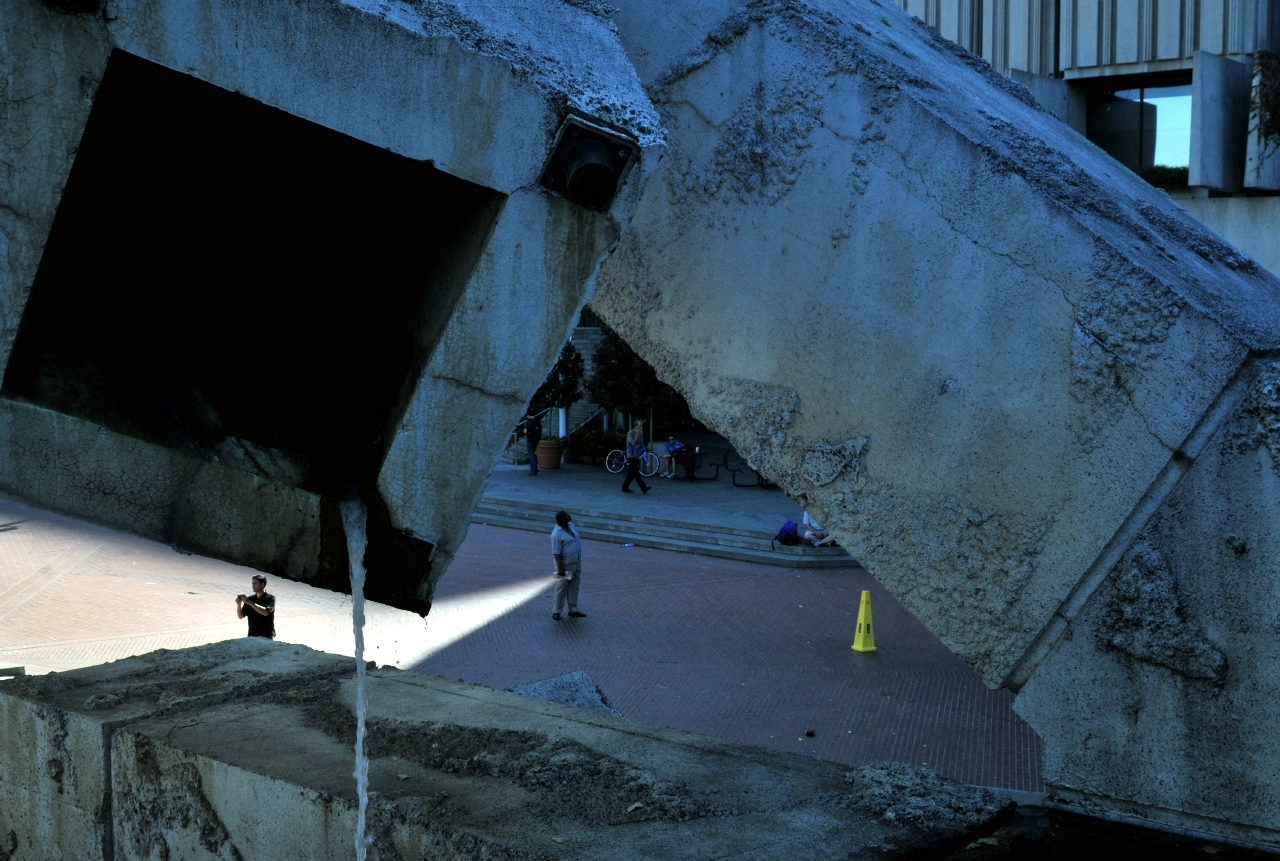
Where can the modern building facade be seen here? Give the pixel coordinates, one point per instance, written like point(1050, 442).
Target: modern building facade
point(1169, 88)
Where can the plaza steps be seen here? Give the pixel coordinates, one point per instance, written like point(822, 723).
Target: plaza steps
point(744, 545)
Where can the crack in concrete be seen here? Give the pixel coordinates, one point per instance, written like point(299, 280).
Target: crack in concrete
point(1024, 266)
point(4, 207)
point(480, 389)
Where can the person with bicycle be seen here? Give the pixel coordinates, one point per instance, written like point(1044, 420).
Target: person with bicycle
point(635, 451)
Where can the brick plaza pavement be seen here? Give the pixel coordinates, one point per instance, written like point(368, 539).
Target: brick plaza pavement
point(736, 650)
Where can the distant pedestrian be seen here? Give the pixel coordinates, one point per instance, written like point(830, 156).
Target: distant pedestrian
point(635, 451)
point(259, 609)
point(566, 548)
point(531, 428)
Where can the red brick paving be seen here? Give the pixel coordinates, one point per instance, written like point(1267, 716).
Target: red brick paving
point(730, 649)
point(746, 652)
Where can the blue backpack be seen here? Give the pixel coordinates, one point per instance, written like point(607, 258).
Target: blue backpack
point(788, 535)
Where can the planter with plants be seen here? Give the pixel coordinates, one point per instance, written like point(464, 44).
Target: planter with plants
point(549, 451)
point(560, 390)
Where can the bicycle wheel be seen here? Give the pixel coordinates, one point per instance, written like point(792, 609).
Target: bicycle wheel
point(616, 461)
point(648, 464)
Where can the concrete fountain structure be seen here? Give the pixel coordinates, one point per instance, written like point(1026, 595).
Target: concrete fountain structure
point(1034, 397)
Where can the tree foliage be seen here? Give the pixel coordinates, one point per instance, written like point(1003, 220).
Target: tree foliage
point(563, 386)
point(621, 380)
point(1265, 102)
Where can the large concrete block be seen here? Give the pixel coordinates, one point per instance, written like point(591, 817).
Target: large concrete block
point(476, 385)
point(245, 750)
point(1159, 701)
point(83, 469)
point(985, 355)
point(942, 321)
point(55, 763)
point(284, 240)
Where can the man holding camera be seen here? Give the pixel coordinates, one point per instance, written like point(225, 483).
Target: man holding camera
point(259, 609)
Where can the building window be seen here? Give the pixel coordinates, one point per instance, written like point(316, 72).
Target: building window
point(1147, 129)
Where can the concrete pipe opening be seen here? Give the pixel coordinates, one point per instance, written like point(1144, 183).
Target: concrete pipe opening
point(240, 284)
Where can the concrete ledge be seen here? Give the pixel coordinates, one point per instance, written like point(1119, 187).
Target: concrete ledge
point(55, 774)
point(1172, 821)
point(196, 754)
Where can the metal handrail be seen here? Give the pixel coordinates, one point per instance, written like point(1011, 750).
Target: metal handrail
point(591, 417)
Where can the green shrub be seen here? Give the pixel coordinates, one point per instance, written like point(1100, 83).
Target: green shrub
point(1266, 98)
point(591, 442)
point(1168, 178)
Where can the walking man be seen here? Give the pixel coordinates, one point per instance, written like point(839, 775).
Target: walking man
point(260, 609)
point(532, 429)
point(566, 547)
point(635, 451)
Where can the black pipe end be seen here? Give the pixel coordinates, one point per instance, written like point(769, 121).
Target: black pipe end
point(588, 163)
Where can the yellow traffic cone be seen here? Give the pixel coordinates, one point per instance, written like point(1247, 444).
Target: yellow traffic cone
point(863, 641)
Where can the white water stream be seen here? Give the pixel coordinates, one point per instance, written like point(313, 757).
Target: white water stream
point(353, 523)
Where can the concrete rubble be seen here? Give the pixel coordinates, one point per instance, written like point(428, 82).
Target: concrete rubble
point(244, 750)
point(570, 689)
point(1028, 392)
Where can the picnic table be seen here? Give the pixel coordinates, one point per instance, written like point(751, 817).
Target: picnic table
point(690, 460)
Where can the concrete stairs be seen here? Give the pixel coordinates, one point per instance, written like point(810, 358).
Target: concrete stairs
point(586, 339)
point(744, 545)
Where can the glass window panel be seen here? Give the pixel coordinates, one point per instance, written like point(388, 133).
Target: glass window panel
point(1173, 124)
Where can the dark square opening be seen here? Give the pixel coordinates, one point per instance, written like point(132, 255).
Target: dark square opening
point(226, 278)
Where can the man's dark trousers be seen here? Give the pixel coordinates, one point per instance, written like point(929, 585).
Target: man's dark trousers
point(531, 446)
point(633, 474)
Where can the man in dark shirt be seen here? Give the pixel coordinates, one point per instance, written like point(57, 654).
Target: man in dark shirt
point(531, 428)
point(259, 609)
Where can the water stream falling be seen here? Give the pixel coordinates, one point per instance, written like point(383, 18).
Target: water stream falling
point(353, 523)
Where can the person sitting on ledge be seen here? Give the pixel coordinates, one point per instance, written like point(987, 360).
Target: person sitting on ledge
point(815, 533)
point(668, 460)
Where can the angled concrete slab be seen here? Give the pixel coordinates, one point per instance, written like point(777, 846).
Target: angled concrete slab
point(985, 355)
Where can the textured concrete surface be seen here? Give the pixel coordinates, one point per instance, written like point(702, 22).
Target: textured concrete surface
point(261, 769)
point(1160, 694)
point(569, 689)
point(975, 347)
point(55, 766)
point(1249, 223)
point(822, 198)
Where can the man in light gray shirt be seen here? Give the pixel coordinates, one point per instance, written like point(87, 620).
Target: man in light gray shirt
point(815, 533)
point(566, 547)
